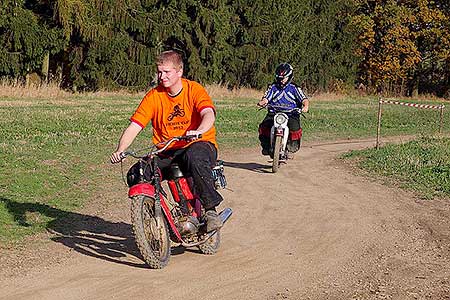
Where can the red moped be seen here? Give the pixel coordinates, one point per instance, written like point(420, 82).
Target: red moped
point(158, 219)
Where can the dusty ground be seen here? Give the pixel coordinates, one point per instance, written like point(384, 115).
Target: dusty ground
point(314, 230)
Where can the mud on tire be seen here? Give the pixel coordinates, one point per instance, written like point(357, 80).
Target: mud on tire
point(276, 154)
point(212, 245)
point(153, 244)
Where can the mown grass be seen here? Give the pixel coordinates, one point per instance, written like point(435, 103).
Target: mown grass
point(54, 151)
point(422, 165)
point(330, 119)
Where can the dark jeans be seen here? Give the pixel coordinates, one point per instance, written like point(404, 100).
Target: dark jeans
point(265, 126)
point(196, 161)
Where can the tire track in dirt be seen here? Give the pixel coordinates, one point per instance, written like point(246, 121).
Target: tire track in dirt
point(314, 230)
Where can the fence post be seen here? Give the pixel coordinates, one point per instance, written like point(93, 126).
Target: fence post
point(379, 124)
point(441, 119)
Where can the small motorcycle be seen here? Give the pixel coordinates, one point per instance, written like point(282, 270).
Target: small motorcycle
point(279, 135)
point(158, 219)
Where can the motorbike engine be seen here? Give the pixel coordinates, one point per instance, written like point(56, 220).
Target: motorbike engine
point(188, 225)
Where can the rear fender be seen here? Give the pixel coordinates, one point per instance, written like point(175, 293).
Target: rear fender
point(146, 189)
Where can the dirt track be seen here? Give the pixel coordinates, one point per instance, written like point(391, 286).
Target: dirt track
point(314, 230)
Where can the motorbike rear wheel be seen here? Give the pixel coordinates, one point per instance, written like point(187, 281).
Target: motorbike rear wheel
point(152, 240)
point(212, 244)
point(276, 153)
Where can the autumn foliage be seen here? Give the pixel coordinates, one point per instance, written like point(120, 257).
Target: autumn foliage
point(397, 47)
point(403, 45)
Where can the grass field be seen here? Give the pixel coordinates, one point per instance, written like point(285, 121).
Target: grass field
point(53, 149)
point(422, 165)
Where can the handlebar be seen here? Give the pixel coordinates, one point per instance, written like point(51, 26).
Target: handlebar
point(282, 109)
point(160, 147)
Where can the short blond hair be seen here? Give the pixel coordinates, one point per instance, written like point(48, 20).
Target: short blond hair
point(172, 57)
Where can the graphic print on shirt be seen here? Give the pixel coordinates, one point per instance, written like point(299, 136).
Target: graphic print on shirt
point(289, 97)
point(177, 112)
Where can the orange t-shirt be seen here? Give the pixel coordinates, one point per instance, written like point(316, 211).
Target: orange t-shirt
point(174, 116)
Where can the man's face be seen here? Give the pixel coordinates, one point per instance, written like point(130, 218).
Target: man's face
point(168, 75)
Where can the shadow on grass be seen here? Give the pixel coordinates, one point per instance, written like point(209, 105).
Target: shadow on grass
point(89, 235)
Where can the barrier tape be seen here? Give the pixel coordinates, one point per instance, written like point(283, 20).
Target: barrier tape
point(414, 104)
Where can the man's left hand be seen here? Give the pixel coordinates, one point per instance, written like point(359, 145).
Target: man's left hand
point(194, 132)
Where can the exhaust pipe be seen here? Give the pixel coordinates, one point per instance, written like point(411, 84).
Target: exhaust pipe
point(225, 214)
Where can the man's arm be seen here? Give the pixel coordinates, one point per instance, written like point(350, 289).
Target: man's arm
point(208, 118)
point(265, 99)
point(128, 136)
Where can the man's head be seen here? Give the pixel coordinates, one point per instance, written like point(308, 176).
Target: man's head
point(283, 74)
point(170, 69)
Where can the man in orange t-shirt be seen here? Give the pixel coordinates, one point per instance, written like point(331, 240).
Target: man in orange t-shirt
point(178, 106)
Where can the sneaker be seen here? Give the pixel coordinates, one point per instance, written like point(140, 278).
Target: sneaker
point(290, 155)
point(265, 151)
point(213, 221)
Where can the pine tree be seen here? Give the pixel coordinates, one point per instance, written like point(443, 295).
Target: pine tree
point(27, 36)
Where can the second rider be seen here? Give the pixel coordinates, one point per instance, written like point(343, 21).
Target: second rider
point(283, 95)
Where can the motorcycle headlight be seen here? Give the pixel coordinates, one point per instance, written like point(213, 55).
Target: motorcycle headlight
point(280, 119)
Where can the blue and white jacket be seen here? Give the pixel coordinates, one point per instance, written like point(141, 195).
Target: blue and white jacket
point(287, 98)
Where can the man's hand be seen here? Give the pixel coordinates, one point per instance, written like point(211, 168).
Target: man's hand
point(305, 106)
point(197, 133)
point(115, 157)
point(263, 102)
point(208, 117)
point(128, 135)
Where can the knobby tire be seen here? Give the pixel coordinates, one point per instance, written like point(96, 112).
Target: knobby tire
point(212, 244)
point(276, 154)
point(153, 243)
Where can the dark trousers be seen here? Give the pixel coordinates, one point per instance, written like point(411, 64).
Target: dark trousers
point(197, 161)
point(265, 126)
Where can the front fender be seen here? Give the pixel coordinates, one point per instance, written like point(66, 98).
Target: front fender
point(142, 189)
point(147, 189)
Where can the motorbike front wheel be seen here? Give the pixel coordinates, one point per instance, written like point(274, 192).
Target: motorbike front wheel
point(152, 235)
point(276, 153)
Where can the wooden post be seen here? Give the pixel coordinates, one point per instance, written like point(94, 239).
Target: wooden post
point(45, 66)
point(379, 124)
point(441, 119)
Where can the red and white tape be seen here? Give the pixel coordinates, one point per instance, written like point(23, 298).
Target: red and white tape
point(413, 104)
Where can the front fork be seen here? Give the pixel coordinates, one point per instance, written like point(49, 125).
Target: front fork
point(284, 133)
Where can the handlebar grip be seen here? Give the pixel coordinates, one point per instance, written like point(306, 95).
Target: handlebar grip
point(191, 136)
point(122, 155)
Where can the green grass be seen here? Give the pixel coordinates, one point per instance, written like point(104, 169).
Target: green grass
point(54, 152)
point(327, 120)
point(422, 165)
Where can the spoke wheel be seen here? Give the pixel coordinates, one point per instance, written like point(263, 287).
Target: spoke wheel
point(276, 154)
point(151, 234)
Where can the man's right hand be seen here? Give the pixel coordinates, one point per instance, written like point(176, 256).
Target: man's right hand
point(115, 157)
point(126, 139)
point(263, 102)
